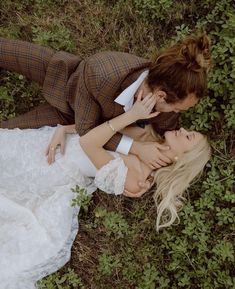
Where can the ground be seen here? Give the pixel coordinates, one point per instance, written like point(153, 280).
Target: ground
point(117, 245)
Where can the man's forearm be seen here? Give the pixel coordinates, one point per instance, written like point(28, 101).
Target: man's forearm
point(113, 143)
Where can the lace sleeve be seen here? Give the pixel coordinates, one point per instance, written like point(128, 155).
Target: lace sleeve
point(111, 177)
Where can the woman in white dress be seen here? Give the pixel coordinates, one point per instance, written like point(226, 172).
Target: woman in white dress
point(38, 223)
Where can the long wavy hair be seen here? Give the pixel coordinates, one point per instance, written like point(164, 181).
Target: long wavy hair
point(173, 180)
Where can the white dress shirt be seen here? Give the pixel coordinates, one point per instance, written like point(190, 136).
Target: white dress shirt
point(126, 98)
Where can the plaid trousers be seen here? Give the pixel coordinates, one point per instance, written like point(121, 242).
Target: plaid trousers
point(33, 61)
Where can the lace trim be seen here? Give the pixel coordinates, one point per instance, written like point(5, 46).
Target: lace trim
point(111, 177)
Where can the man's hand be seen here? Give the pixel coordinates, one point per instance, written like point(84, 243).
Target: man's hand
point(149, 153)
point(58, 139)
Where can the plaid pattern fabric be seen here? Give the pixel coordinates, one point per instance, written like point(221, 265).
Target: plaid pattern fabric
point(28, 59)
point(44, 114)
point(106, 75)
point(77, 91)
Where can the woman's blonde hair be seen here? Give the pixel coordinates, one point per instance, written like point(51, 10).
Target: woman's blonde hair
point(173, 180)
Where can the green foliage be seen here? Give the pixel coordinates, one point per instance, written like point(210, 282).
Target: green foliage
point(107, 264)
point(82, 199)
point(7, 102)
point(220, 103)
point(117, 245)
point(55, 35)
point(4, 94)
point(9, 32)
point(13, 88)
point(151, 277)
point(68, 280)
point(114, 223)
point(225, 216)
point(224, 249)
point(162, 10)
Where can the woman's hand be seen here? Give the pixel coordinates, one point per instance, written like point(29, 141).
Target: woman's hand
point(58, 139)
point(142, 108)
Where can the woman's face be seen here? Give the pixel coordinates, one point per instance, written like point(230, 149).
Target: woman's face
point(181, 141)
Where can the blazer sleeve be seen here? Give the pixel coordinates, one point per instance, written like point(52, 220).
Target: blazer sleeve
point(88, 110)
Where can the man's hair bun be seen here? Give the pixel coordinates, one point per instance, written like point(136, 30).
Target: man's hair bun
point(182, 68)
point(195, 51)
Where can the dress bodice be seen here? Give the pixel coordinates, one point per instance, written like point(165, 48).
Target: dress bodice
point(23, 161)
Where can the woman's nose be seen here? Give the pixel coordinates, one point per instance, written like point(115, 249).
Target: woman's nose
point(182, 130)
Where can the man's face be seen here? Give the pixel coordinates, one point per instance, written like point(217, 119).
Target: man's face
point(162, 106)
point(190, 101)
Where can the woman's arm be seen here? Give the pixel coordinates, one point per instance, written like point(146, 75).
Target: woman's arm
point(93, 142)
point(58, 139)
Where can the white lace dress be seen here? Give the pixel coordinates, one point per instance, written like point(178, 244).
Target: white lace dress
point(37, 222)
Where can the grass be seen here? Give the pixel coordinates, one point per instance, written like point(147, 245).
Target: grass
point(117, 246)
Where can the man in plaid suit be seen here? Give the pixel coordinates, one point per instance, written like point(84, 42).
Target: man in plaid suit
point(86, 92)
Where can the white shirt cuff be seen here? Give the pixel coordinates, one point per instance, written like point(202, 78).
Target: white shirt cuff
point(124, 145)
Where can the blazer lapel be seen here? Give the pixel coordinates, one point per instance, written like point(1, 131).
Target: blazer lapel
point(116, 108)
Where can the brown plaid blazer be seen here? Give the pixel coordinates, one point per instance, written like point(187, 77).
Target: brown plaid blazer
point(80, 91)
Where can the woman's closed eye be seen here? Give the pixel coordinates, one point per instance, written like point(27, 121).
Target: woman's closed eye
point(190, 136)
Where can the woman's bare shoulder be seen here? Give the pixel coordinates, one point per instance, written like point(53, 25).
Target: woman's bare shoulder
point(136, 173)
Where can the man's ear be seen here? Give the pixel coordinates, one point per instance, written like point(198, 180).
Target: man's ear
point(161, 96)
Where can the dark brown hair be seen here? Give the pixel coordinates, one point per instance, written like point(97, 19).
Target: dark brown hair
point(182, 68)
